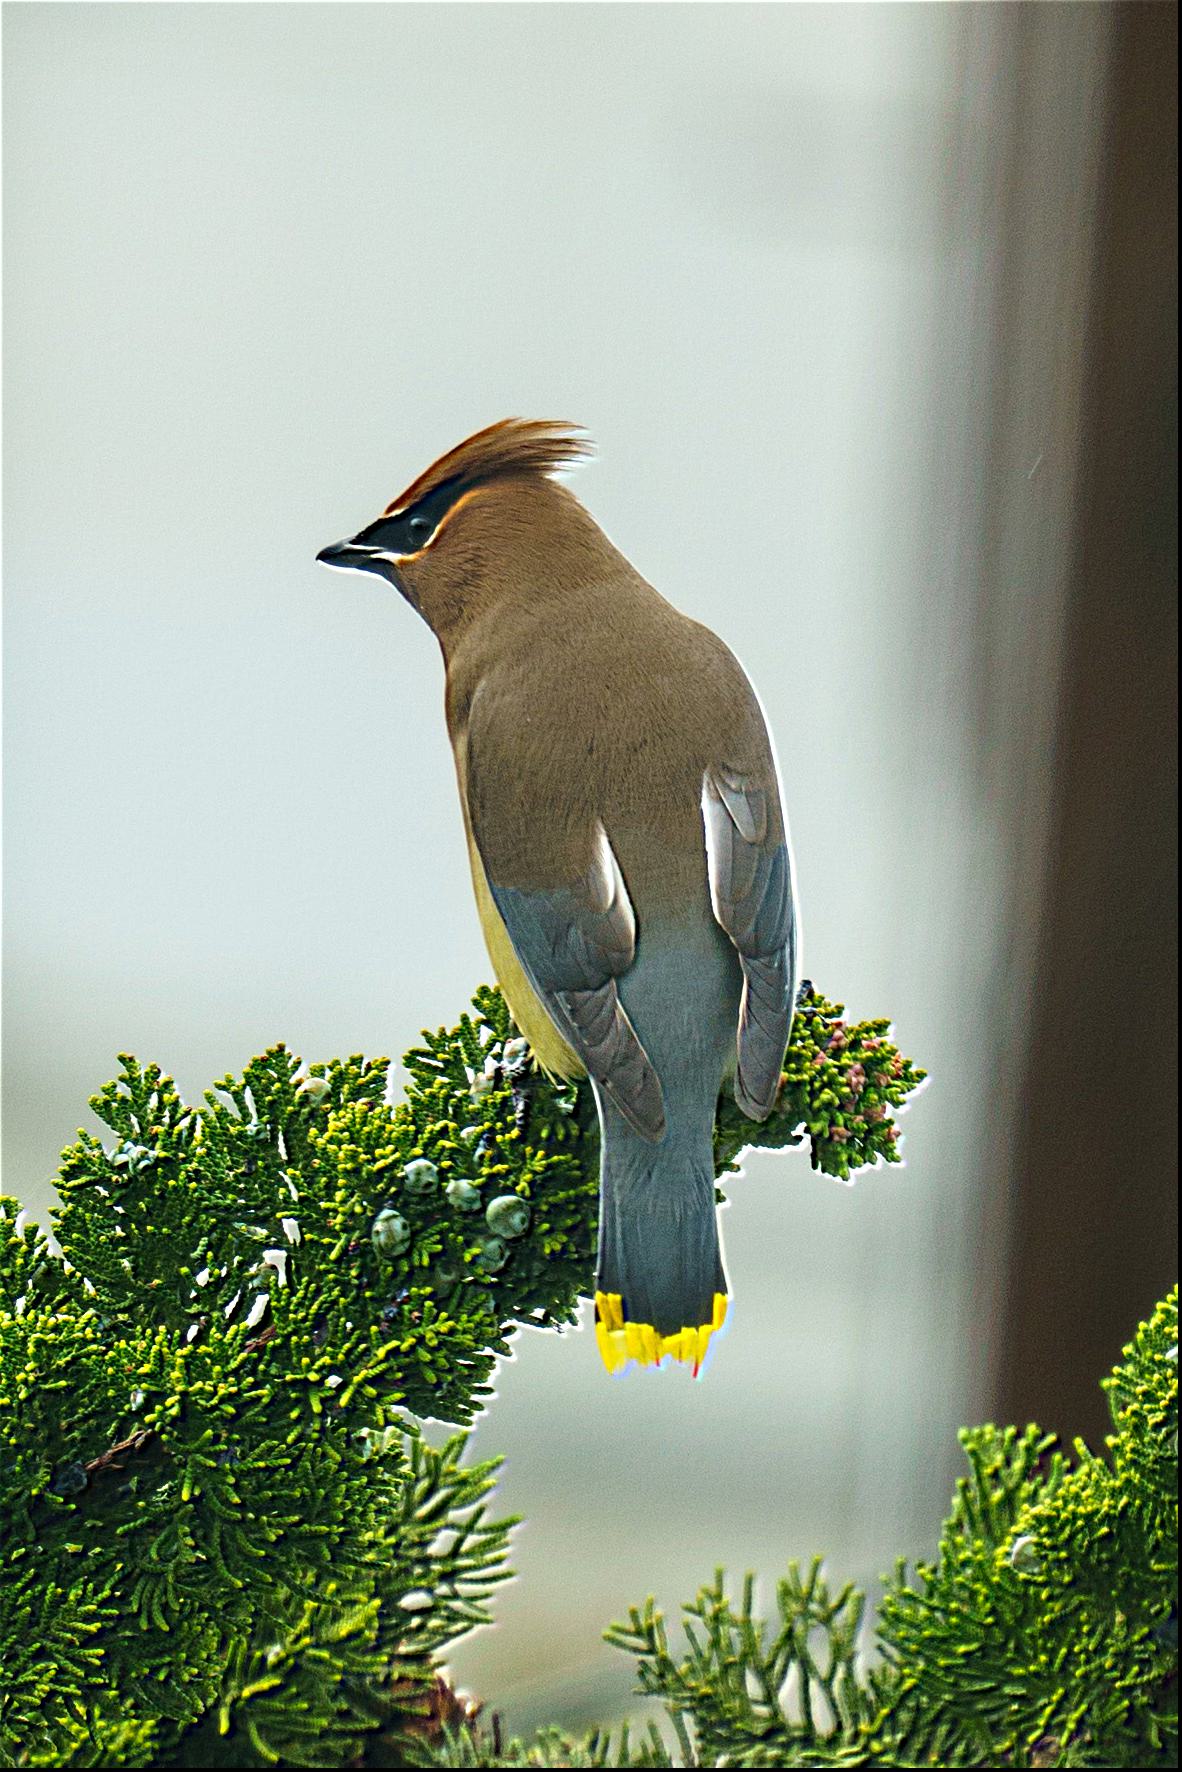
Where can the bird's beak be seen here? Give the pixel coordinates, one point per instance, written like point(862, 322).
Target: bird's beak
point(342, 553)
point(354, 555)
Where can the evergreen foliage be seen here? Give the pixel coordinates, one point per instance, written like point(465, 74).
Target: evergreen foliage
point(222, 1539)
point(842, 1086)
point(1044, 1634)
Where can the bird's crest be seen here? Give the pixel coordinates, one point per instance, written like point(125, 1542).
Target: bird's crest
point(512, 446)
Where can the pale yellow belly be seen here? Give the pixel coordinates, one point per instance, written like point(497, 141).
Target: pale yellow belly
point(546, 1043)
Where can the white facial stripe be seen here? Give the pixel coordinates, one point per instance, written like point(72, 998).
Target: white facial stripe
point(360, 553)
point(354, 564)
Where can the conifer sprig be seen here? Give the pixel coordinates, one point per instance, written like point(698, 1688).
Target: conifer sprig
point(222, 1539)
point(1045, 1633)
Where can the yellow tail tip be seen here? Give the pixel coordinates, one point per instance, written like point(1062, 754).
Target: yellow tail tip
point(621, 1341)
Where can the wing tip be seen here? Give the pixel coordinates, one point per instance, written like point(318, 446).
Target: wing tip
point(642, 1103)
point(757, 1106)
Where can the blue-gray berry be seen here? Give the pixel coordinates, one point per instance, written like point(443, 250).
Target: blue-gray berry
point(1024, 1555)
point(507, 1215)
point(71, 1480)
point(463, 1196)
point(421, 1176)
point(389, 1233)
point(133, 1157)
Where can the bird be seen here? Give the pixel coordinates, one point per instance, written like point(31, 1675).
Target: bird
point(629, 851)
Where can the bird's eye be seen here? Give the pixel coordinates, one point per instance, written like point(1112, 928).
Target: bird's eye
point(419, 528)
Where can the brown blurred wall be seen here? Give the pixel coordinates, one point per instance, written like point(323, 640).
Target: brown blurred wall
point(1094, 1217)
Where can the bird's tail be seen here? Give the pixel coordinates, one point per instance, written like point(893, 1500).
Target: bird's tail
point(660, 1289)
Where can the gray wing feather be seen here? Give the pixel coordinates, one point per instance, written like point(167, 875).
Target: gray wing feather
point(573, 943)
point(751, 892)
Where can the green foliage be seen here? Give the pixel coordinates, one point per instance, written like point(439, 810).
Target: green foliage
point(221, 1539)
point(1044, 1634)
point(474, 1746)
point(842, 1086)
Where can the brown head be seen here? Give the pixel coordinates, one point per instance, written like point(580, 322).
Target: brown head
point(486, 521)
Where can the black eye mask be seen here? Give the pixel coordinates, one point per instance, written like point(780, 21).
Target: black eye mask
point(411, 530)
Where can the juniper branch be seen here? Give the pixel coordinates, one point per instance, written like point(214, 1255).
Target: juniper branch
point(208, 1435)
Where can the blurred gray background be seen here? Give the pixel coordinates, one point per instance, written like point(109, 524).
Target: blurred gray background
point(828, 286)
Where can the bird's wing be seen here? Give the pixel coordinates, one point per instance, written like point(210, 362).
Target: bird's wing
point(575, 934)
point(750, 870)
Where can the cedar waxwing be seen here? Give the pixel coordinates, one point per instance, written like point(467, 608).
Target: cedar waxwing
point(627, 842)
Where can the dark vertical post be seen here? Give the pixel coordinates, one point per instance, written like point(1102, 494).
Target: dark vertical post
point(1095, 1209)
